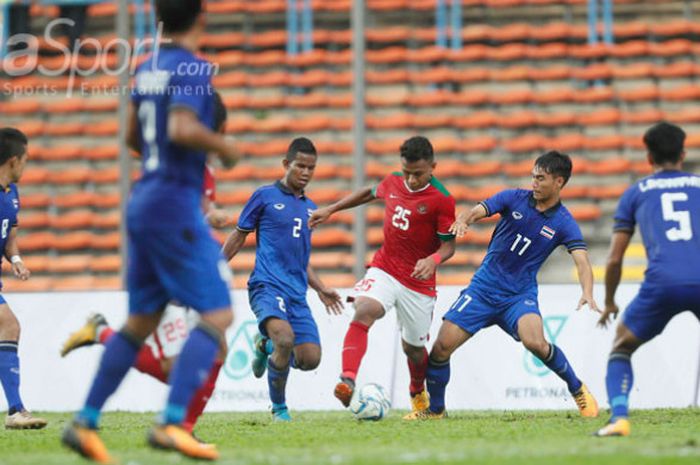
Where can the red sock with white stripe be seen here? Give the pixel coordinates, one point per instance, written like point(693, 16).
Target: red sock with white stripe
point(354, 348)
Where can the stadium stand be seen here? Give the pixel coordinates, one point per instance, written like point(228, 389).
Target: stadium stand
point(524, 81)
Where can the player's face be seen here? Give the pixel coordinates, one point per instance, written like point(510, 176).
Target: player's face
point(545, 185)
point(18, 164)
point(300, 170)
point(417, 173)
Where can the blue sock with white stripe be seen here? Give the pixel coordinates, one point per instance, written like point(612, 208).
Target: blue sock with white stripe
point(191, 370)
point(618, 382)
point(436, 378)
point(9, 375)
point(119, 355)
point(557, 362)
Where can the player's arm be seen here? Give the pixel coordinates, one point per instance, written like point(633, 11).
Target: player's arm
point(185, 129)
point(426, 267)
point(234, 243)
point(585, 277)
point(12, 254)
point(330, 297)
point(132, 129)
point(355, 199)
point(613, 273)
point(216, 217)
point(465, 219)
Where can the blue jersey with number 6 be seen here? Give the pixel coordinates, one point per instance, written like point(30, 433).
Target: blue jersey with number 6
point(522, 241)
point(170, 189)
point(280, 220)
point(666, 207)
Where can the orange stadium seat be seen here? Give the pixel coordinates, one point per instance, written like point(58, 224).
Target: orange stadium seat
point(331, 237)
point(478, 144)
point(609, 166)
point(639, 94)
point(36, 284)
point(525, 143)
point(684, 93)
point(632, 71)
point(556, 119)
point(469, 53)
point(38, 200)
point(72, 176)
point(601, 117)
point(108, 241)
point(108, 221)
point(20, 106)
point(476, 120)
point(74, 283)
point(677, 69)
point(471, 74)
point(106, 200)
point(75, 220)
point(644, 116)
point(433, 75)
point(39, 220)
point(69, 263)
point(550, 73)
point(35, 175)
point(567, 142)
point(671, 48)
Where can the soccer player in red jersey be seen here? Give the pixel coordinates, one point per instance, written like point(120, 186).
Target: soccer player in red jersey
point(417, 217)
point(158, 354)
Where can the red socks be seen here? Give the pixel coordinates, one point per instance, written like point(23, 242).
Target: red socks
point(147, 363)
point(418, 371)
point(201, 397)
point(354, 348)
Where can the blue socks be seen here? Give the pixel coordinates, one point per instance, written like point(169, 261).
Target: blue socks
point(437, 377)
point(619, 381)
point(119, 355)
point(557, 362)
point(9, 375)
point(277, 383)
point(190, 371)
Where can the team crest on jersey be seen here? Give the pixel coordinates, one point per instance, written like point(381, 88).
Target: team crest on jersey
point(517, 215)
point(547, 232)
point(279, 206)
point(422, 208)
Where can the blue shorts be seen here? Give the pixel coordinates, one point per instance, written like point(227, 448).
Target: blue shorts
point(651, 310)
point(478, 307)
point(183, 265)
point(269, 302)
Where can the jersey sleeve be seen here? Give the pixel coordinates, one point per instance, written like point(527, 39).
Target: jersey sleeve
point(624, 216)
point(252, 211)
point(446, 217)
point(380, 190)
point(572, 238)
point(16, 192)
point(192, 91)
point(499, 202)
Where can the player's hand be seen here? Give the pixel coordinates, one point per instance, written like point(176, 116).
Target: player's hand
point(588, 299)
point(218, 218)
point(21, 271)
point(611, 310)
point(460, 226)
point(332, 300)
point(424, 269)
point(319, 216)
point(230, 155)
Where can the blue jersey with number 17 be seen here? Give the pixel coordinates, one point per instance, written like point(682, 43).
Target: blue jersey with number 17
point(666, 206)
point(170, 189)
point(522, 241)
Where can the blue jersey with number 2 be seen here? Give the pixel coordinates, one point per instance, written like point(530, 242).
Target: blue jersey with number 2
point(666, 207)
point(522, 241)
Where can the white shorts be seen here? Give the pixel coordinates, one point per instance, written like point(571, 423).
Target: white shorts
point(172, 331)
point(414, 311)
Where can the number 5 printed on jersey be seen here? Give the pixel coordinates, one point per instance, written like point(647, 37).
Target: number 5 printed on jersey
point(684, 231)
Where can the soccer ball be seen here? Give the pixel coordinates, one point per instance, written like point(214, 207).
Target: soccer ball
point(370, 402)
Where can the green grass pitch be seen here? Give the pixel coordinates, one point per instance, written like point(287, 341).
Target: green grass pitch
point(538, 438)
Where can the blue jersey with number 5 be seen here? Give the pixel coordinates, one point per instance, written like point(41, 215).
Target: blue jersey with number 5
point(280, 220)
point(170, 189)
point(666, 207)
point(522, 241)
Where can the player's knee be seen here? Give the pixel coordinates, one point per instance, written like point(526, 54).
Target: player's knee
point(9, 326)
point(283, 340)
point(368, 314)
point(441, 351)
point(537, 346)
point(308, 362)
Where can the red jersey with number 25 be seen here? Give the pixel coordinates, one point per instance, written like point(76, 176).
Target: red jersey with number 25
point(415, 223)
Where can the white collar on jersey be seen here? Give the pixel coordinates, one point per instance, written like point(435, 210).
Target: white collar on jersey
point(418, 190)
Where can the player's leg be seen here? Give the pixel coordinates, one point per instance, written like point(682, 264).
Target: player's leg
point(307, 342)
point(531, 332)
point(414, 312)
point(204, 393)
point(619, 380)
point(450, 338)
point(17, 416)
point(373, 296)
point(119, 355)
point(282, 336)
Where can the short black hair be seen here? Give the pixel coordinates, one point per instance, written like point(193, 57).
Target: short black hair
point(556, 164)
point(303, 145)
point(417, 148)
point(178, 15)
point(13, 143)
point(664, 142)
point(220, 115)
